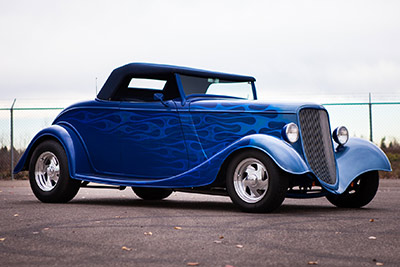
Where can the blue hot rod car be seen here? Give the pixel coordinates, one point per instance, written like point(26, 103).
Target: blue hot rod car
point(160, 128)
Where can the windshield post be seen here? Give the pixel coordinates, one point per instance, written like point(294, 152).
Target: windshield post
point(180, 88)
point(253, 86)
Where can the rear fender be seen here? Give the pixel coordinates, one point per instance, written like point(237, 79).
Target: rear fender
point(76, 154)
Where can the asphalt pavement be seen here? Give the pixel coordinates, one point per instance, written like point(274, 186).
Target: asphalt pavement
point(109, 227)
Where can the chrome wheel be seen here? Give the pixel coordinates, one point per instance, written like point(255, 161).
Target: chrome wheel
point(47, 171)
point(251, 180)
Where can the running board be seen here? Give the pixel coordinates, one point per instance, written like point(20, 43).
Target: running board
point(86, 185)
point(217, 191)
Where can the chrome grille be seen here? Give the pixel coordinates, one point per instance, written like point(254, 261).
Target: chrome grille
point(317, 144)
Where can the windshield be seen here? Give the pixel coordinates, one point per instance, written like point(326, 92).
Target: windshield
point(213, 86)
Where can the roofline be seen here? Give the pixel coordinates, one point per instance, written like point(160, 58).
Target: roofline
point(161, 71)
point(152, 68)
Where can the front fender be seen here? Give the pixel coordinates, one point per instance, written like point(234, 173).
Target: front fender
point(283, 154)
point(53, 132)
point(358, 156)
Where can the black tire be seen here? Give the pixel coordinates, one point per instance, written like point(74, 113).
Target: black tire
point(360, 192)
point(148, 193)
point(262, 190)
point(49, 174)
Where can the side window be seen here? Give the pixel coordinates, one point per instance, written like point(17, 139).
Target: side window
point(140, 90)
point(149, 84)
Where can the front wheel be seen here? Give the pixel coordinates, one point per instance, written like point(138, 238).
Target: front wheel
point(359, 193)
point(255, 183)
point(49, 174)
point(148, 193)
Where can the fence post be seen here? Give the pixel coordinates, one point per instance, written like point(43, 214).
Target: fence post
point(370, 118)
point(12, 138)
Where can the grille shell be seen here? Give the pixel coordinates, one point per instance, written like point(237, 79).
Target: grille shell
point(317, 144)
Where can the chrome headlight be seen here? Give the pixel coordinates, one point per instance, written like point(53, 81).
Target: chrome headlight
point(290, 132)
point(341, 135)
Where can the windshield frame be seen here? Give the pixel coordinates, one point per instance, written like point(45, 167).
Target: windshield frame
point(185, 97)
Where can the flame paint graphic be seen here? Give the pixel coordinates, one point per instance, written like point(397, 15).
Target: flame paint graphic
point(151, 144)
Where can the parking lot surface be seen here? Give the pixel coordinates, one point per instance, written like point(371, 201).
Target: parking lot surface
point(109, 227)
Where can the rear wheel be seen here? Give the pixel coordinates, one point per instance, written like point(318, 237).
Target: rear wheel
point(147, 193)
point(255, 183)
point(359, 193)
point(49, 174)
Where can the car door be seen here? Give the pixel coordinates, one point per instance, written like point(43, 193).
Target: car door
point(97, 123)
point(151, 139)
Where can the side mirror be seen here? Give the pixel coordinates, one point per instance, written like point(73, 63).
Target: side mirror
point(160, 97)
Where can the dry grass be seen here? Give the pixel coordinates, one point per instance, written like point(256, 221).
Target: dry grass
point(5, 165)
point(393, 153)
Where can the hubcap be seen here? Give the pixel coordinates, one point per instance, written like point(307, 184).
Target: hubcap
point(251, 180)
point(47, 171)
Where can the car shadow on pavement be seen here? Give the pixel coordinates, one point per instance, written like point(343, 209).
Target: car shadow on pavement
point(225, 206)
point(298, 209)
point(209, 205)
point(165, 204)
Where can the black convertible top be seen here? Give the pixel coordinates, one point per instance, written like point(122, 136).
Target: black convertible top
point(158, 71)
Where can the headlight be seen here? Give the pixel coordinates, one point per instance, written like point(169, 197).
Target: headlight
point(341, 135)
point(290, 132)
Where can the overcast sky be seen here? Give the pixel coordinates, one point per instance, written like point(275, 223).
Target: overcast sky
point(54, 50)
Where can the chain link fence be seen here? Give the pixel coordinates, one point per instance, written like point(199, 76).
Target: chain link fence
point(376, 122)
point(372, 121)
point(17, 128)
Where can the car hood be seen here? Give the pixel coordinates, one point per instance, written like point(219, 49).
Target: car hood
point(229, 105)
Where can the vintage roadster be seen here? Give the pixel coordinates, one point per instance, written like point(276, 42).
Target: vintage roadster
point(161, 128)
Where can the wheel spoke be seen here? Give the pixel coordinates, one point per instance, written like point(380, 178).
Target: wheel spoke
point(251, 170)
point(263, 184)
point(259, 171)
point(42, 178)
point(247, 182)
point(254, 192)
point(48, 181)
point(54, 163)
